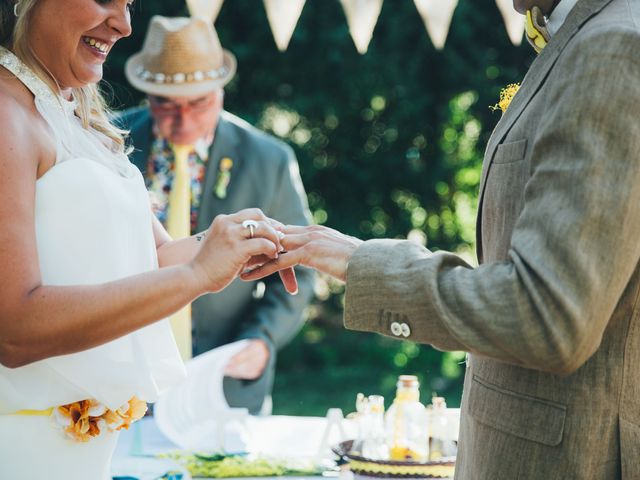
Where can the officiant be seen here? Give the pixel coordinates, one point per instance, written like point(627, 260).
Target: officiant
point(231, 165)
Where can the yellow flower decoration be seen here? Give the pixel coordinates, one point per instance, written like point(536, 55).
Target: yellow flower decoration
point(85, 419)
point(224, 177)
point(225, 164)
point(506, 95)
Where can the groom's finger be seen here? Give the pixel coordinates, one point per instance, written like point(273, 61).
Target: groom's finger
point(284, 261)
point(292, 242)
point(297, 229)
point(288, 278)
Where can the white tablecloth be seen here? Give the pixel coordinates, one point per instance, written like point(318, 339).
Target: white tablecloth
point(274, 436)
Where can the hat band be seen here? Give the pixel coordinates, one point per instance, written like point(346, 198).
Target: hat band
point(178, 78)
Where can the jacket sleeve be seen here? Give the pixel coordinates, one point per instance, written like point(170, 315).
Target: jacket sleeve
point(575, 244)
point(278, 315)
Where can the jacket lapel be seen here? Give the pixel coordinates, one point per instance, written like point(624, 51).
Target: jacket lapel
point(540, 68)
point(225, 144)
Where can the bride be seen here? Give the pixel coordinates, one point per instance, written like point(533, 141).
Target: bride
point(82, 342)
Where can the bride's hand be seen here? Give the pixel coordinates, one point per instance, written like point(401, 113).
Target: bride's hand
point(316, 246)
point(228, 246)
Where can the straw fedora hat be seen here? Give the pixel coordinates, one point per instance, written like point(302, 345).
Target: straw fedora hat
point(180, 57)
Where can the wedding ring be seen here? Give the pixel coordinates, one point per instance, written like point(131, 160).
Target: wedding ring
point(251, 225)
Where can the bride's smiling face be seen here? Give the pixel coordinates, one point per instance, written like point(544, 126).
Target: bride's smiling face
point(72, 38)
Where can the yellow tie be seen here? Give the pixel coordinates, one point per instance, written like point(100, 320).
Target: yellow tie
point(179, 226)
point(535, 26)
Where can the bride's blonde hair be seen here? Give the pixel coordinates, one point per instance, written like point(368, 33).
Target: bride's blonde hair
point(91, 106)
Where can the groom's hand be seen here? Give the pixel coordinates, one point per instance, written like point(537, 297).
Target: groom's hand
point(315, 246)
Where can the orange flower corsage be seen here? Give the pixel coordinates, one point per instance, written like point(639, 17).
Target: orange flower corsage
point(85, 419)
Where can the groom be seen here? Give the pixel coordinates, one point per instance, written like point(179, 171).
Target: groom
point(552, 314)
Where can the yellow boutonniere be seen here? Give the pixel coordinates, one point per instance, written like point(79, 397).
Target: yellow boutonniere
point(506, 95)
point(224, 177)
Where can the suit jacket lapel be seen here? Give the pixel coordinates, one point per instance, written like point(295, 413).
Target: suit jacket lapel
point(225, 144)
point(583, 11)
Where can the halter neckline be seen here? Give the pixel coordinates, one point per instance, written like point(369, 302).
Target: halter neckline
point(35, 84)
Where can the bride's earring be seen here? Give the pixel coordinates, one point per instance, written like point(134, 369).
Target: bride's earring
point(15, 8)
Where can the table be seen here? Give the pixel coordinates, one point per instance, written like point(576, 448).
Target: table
point(273, 436)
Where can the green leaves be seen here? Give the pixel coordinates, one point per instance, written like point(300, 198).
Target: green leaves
point(203, 465)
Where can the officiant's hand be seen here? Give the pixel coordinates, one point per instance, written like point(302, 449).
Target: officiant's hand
point(250, 362)
point(229, 243)
point(315, 246)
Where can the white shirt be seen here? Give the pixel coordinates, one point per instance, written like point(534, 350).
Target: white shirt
point(559, 15)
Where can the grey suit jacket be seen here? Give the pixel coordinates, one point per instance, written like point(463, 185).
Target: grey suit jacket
point(265, 175)
point(552, 315)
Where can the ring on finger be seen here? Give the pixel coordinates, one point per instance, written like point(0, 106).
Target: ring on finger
point(252, 225)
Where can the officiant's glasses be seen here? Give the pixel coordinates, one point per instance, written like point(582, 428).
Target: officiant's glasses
point(169, 107)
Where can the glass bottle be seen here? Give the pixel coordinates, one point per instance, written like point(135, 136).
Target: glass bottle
point(375, 446)
point(362, 422)
point(406, 423)
point(438, 428)
point(441, 441)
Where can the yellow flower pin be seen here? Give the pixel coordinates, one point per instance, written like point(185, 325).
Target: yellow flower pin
point(506, 95)
point(224, 177)
point(225, 164)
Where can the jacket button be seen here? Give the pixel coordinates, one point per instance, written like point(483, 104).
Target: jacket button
point(405, 330)
point(396, 329)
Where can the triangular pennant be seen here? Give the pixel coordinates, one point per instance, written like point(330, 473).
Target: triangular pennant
point(205, 8)
point(436, 15)
point(283, 17)
point(362, 16)
point(512, 20)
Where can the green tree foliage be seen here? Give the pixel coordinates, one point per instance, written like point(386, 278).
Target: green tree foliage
point(390, 144)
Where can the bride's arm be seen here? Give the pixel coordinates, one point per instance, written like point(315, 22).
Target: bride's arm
point(175, 252)
point(39, 321)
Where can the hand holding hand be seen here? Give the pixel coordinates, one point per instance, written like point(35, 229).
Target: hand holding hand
point(250, 362)
point(315, 246)
point(228, 245)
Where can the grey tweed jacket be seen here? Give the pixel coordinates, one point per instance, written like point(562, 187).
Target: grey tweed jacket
point(552, 314)
point(265, 175)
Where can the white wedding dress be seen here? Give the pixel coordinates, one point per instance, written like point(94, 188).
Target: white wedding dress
point(93, 225)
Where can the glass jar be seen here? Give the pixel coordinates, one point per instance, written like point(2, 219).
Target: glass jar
point(406, 423)
point(375, 446)
point(441, 442)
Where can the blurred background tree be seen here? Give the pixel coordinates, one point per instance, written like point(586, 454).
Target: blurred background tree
point(390, 144)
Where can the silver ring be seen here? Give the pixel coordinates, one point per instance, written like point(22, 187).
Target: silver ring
point(252, 225)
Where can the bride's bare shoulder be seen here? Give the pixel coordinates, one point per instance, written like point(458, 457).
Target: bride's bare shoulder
point(22, 130)
point(16, 99)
